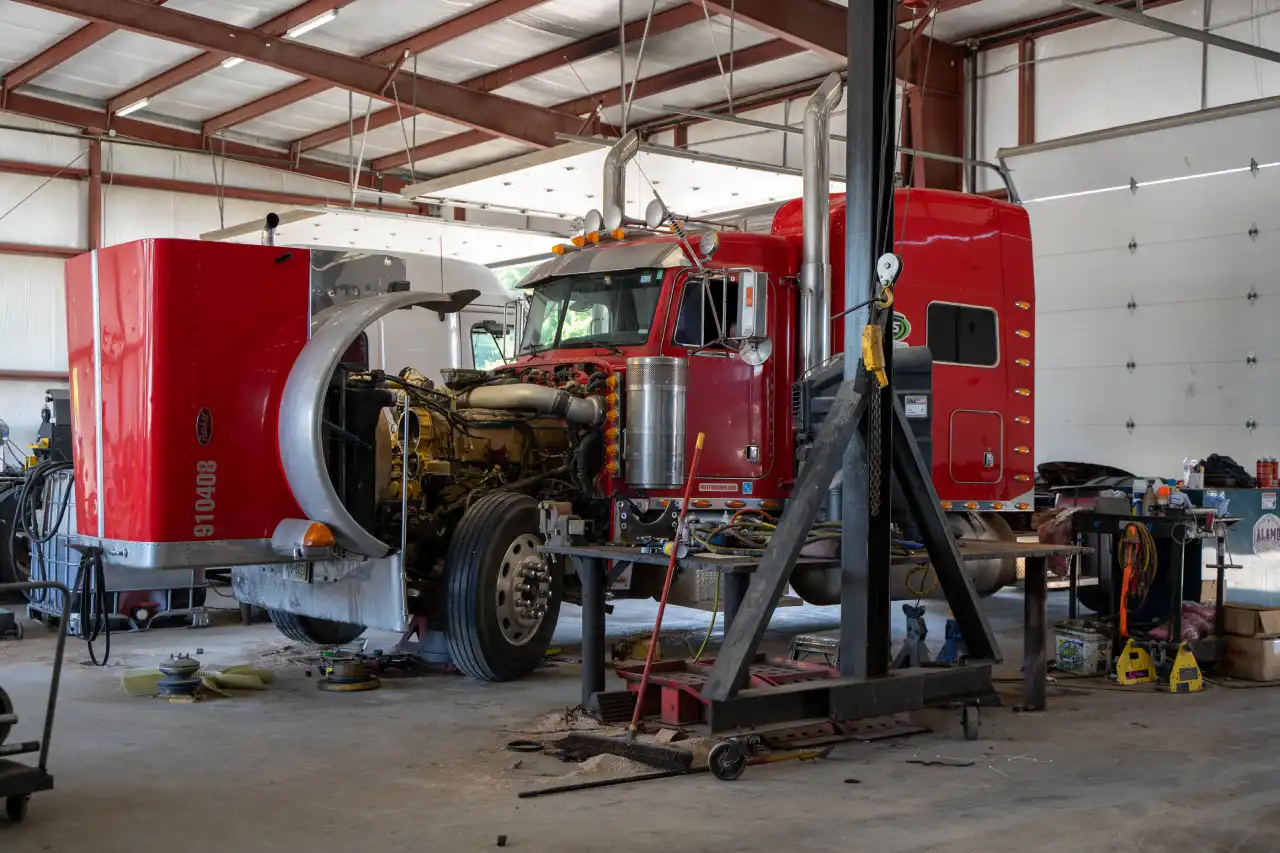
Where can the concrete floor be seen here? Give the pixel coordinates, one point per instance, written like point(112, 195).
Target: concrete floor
point(420, 765)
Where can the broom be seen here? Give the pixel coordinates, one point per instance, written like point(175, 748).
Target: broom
point(655, 755)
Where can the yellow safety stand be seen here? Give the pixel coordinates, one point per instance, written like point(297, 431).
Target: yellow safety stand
point(1134, 666)
point(1185, 677)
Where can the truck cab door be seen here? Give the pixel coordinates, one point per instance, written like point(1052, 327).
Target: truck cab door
point(728, 399)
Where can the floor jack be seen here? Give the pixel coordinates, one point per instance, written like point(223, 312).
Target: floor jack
point(19, 781)
point(913, 652)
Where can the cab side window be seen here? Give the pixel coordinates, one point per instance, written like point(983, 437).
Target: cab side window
point(963, 334)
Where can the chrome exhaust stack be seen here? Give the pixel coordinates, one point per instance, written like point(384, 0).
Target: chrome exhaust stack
point(815, 273)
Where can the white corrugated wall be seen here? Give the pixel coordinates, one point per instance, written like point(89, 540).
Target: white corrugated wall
point(43, 212)
point(1191, 390)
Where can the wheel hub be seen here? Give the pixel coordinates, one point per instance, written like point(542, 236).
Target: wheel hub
point(523, 592)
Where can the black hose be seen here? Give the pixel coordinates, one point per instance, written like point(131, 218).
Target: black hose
point(26, 519)
point(95, 620)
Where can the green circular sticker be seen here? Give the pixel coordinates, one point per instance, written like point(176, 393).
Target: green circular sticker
point(901, 327)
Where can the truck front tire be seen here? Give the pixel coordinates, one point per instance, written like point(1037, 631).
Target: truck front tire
point(502, 597)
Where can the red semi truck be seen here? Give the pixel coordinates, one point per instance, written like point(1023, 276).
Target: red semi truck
point(225, 414)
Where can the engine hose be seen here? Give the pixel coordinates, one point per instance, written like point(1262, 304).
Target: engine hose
point(27, 522)
point(753, 535)
point(94, 618)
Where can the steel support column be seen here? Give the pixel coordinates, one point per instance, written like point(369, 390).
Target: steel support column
point(95, 194)
point(591, 573)
point(868, 152)
point(1026, 92)
point(879, 491)
point(971, 121)
point(1035, 599)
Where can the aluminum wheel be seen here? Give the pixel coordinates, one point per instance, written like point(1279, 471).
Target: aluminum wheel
point(523, 590)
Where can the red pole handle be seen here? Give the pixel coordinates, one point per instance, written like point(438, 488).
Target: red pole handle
point(666, 588)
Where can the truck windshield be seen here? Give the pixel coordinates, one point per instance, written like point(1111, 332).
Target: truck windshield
point(605, 308)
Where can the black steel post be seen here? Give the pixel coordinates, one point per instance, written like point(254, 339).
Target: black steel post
point(1176, 580)
point(735, 589)
point(1073, 596)
point(591, 573)
point(880, 535)
point(862, 107)
point(1035, 603)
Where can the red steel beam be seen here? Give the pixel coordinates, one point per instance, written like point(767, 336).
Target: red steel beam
point(758, 100)
point(435, 36)
point(705, 70)
point(185, 140)
point(822, 27)
point(914, 11)
point(504, 116)
point(35, 251)
point(1026, 92)
point(932, 72)
point(934, 108)
point(58, 53)
point(40, 170)
point(210, 60)
point(143, 182)
point(662, 22)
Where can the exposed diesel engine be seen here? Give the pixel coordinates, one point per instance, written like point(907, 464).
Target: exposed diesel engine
point(530, 431)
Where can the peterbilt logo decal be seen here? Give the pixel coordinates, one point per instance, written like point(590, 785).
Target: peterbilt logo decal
point(204, 427)
point(901, 327)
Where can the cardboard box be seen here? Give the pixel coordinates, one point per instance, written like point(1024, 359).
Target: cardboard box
point(1252, 658)
point(1208, 592)
point(1252, 620)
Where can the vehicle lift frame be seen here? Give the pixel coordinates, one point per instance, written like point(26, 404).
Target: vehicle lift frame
point(866, 687)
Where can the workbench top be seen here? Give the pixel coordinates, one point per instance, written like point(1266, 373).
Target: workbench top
point(970, 549)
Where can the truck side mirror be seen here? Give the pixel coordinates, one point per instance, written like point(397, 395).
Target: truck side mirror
point(753, 317)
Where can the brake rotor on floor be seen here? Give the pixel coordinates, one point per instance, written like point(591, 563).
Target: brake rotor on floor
point(349, 675)
point(179, 677)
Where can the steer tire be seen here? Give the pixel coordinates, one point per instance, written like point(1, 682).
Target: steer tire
point(314, 632)
point(473, 567)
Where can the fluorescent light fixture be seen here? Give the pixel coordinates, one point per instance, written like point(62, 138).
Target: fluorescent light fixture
point(232, 61)
point(134, 107)
point(308, 26)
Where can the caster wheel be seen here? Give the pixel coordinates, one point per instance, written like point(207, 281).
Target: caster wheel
point(16, 808)
point(727, 760)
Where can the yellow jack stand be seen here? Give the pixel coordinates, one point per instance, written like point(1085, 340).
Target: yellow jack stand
point(1134, 666)
point(1185, 677)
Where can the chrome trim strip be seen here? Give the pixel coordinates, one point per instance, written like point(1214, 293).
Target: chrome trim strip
point(121, 553)
point(97, 395)
point(616, 257)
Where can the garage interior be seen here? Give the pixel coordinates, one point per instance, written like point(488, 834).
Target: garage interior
point(724, 424)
